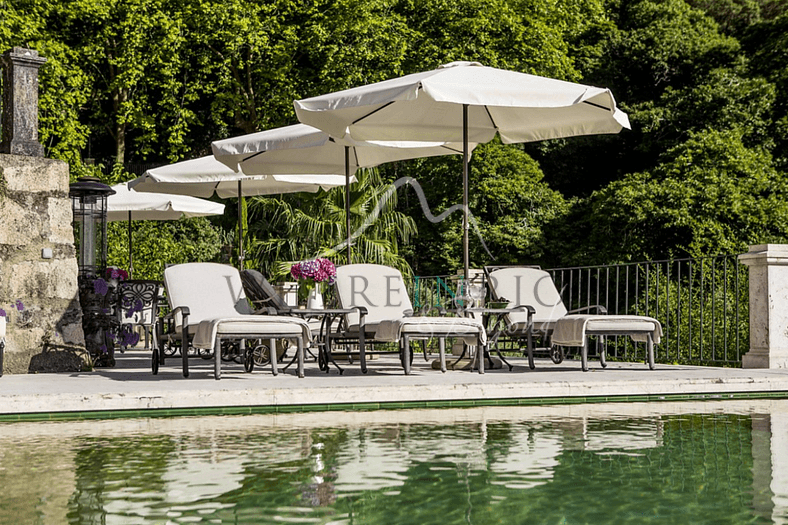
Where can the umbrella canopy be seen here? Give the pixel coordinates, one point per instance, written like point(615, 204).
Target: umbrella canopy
point(303, 149)
point(127, 204)
point(464, 102)
point(205, 176)
point(130, 205)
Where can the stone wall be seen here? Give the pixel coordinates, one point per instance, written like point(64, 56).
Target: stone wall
point(38, 267)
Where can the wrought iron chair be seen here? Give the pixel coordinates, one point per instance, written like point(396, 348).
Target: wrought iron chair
point(138, 306)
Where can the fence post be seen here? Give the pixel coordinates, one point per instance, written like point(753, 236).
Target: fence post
point(768, 268)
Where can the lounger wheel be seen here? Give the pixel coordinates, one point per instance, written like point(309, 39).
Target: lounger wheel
point(169, 350)
point(261, 354)
point(249, 359)
point(154, 362)
point(557, 355)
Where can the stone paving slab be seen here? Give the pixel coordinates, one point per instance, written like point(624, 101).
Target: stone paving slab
point(131, 386)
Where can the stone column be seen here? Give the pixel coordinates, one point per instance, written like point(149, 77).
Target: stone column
point(768, 264)
point(20, 103)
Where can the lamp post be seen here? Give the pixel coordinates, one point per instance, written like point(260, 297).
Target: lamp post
point(97, 298)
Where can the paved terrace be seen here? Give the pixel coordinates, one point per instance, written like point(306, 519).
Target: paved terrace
point(130, 390)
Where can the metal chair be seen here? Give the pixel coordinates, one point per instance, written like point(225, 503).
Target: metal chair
point(139, 306)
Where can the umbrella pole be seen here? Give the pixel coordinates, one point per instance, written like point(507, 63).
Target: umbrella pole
point(347, 200)
point(131, 260)
point(465, 210)
point(240, 230)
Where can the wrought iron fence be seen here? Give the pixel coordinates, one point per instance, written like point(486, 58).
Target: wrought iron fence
point(433, 292)
point(703, 304)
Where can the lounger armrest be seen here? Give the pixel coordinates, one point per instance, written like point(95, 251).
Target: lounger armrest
point(530, 310)
point(362, 313)
point(527, 307)
point(184, 311)
point(597, 307)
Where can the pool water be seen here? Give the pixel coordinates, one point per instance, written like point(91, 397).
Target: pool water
point(694, 463)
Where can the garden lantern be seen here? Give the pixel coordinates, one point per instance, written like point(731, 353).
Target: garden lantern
point(89, 205)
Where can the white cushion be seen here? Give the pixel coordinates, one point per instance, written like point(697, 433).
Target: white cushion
point(423, 327)
point(210, 290)
point(527, 287)
point(572, 330)
point(253, 326)
point(380, 289)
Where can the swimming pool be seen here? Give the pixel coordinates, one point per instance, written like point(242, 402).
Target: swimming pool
point(709, 462)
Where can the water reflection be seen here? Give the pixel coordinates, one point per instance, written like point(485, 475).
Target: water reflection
point(712, 462)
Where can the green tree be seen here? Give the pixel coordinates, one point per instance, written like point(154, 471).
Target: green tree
point(708, 196)
point(509, 201)
point(156, 244)
point(766, 42)
point(63, 87)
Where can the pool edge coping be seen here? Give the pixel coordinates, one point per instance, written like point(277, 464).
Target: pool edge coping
point(383, 405)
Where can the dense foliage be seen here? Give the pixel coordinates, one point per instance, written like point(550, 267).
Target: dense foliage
point(705, 83)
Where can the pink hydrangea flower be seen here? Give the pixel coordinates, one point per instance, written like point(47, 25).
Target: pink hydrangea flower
point(319, 270)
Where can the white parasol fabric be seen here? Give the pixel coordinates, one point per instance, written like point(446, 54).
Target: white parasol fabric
point(428, 106)
point(303, 149)
point(205, 176)
point(128, 204)
point(464, 102)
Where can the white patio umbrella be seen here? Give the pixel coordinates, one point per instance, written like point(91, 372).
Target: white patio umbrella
point(205, 176)
point(464, 102)
point(130, 205)
point(303, 149)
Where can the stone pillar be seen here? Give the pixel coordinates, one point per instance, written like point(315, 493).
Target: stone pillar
point(768, 265)
point(20, 103)
point(38, 267)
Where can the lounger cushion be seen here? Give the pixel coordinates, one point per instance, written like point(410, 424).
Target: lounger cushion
point(379, 289)
point(210, 290)
point(571, 330)
point(527, 286)
point(394, 329)
point(253, 326)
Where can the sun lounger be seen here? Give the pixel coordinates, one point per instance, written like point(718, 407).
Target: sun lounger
point(532, 286)
point(382, 312)
point(208, 306)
